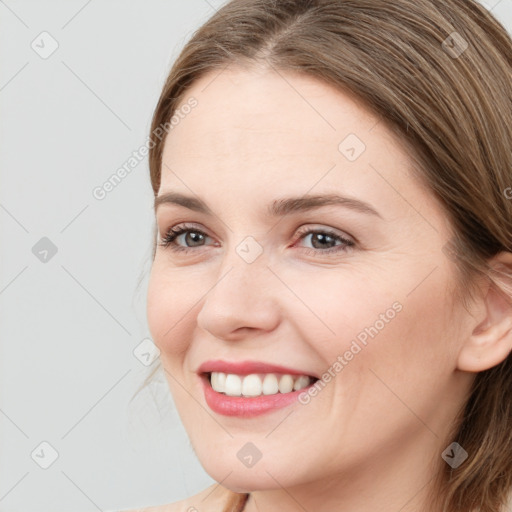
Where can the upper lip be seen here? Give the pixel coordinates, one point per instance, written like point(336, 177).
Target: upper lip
point(247, 367)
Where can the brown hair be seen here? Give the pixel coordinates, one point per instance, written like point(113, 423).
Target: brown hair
point(450, 105)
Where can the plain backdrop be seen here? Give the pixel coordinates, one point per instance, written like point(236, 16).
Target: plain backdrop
point(78, 84)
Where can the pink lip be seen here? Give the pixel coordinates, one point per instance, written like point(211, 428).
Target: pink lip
point(246, 407)
point(246, 368)
point(241, 406)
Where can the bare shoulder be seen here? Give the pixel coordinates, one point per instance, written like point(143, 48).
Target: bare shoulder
point(212, 499)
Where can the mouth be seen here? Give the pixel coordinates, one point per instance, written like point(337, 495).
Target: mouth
point(250, 388)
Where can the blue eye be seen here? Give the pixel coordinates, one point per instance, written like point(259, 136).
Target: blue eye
point(195, 238)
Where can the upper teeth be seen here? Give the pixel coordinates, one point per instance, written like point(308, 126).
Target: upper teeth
point(257, 384)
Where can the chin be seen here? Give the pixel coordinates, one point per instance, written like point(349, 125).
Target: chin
point(272, 473)
point(242, 480)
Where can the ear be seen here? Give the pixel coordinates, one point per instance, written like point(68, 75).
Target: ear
point(491, 340)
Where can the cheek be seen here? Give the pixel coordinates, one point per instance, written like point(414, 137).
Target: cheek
point(168, 311)
point(403, 337)
point(352, 310)
point(413, 355)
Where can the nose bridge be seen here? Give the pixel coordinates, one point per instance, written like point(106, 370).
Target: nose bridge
point(242, 296)
point(245, 270)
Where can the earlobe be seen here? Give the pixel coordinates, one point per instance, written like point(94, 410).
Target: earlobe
point(490, 343)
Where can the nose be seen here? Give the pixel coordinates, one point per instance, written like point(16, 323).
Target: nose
point(243, 299)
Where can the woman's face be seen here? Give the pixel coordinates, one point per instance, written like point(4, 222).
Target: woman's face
point(270, 281)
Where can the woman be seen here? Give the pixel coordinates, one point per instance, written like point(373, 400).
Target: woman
point(331, 286)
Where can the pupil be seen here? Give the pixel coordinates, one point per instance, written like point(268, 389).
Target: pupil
point(193, 235)
point(321, 237)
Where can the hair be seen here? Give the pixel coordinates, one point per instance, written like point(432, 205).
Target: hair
point(451, 108)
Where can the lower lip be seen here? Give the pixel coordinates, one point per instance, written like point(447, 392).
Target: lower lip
point(246, 407)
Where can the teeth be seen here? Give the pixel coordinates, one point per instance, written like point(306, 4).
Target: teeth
point(285, 384)
point(301, 383)
point(251, 386)
point(270, 384)
point(233, 385)
point(257, 384)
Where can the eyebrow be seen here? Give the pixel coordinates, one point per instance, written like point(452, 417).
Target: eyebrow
point(278, 208)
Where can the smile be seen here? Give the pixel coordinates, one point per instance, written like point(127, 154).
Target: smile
point(248, 389)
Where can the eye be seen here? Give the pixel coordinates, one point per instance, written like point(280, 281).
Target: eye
point(325, 241)
point(191, 236)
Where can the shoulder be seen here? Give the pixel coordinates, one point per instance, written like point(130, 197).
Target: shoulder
point(212, 499)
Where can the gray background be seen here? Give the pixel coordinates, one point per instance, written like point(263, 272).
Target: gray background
point(70, 323)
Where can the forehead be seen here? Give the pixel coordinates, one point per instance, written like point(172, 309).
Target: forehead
point(274, 121)
point(260, 110)
point(256, 134)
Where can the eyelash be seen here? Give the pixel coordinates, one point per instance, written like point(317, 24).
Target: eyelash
point(168, 241)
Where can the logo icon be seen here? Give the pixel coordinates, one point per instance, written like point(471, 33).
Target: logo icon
point(455, 45)
point(351, 147)
point(249, 455)
point(44, 45)
point(454, 455)
point(249, 249)
point(146, 352)
point(44, 455)
point(44, 250)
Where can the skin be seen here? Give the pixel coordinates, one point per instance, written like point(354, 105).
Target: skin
point(373, 437)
